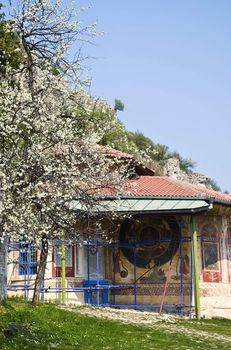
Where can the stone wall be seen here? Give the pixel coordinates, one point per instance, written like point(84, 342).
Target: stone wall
point(172, 169)
point(3, 278)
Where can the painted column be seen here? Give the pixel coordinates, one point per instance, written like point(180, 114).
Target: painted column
point(196, 269)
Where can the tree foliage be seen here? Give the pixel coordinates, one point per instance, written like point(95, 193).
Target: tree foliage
point(212, 183)
point(2, 14)
point(119, 106)
point(48, 158)
point(138, 144)
point(10, 50)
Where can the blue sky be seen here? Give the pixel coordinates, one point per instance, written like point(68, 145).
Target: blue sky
point(169, 61)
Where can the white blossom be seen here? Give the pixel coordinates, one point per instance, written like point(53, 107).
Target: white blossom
point(45, 162)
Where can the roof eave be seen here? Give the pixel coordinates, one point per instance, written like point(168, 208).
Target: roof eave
point(222, 202)
point(209, 200)
point(174, 211)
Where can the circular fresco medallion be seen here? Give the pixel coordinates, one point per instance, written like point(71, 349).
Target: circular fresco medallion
point(156, 239)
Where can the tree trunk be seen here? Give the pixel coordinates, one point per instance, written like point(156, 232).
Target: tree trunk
point(41, 272)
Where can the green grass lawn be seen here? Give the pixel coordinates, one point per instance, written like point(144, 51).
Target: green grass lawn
point(47, 327)
point(219, 326)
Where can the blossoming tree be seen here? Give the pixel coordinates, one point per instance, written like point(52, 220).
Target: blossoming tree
point(45, 162)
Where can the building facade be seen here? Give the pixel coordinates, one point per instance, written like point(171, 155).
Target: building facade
point(169, 251)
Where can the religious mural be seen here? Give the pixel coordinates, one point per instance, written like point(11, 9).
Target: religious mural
point(210, 253)
point(148, 241)
point(149, 255)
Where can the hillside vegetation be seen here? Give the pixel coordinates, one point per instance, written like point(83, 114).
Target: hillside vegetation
point(102, 124)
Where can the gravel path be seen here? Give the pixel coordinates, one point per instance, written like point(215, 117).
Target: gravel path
point(168, 323)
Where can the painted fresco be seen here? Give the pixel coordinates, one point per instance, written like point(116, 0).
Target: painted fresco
point(211, 256)
point(69, 257)
point(210, 233)
point(153, 260)
point(153, 240)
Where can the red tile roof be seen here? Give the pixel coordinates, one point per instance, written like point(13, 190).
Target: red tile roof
point(161, 186)
point(110, 152)
point(107, 151)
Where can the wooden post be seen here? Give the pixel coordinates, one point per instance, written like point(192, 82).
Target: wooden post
point(196, 270)
point(63, 267)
